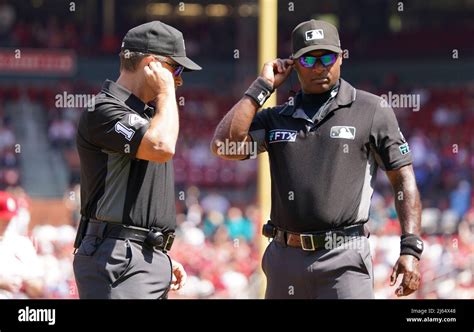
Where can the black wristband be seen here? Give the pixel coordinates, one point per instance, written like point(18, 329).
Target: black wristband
point(260, 90)
point(411, 244)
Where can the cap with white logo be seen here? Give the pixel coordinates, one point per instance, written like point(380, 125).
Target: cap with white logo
point(315, 35)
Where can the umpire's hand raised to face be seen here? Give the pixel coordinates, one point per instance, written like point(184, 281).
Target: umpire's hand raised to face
point(277, 71)
point(158, 78)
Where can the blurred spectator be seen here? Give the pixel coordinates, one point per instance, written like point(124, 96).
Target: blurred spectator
point(21, 275)
point(466, 232)
point(61, 133)
point(238, 226)
point(460, 198)
point(7, 138)
point(444, 116)
point(7, 17)
point(55, 251)
point(215, 202)
point(213, 220)
point(72, 201)
point(20, 222)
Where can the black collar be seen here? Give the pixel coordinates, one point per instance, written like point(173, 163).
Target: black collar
point(345, 96)
point(117, 91)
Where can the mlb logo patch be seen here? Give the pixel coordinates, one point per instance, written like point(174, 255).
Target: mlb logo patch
point(133, 119)
point(404, 148)
point(314, 34)
point(282, 135)
point(343, 132)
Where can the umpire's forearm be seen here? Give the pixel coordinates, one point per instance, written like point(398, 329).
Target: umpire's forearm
point(407, 199)
point(164, 126)
point(234, 127)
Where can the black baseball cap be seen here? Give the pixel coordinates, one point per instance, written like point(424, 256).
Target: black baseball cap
point(160, 39)
point(314, 35)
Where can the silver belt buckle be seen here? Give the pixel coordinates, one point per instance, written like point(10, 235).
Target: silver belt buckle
point(303, 242)
point(169, 242)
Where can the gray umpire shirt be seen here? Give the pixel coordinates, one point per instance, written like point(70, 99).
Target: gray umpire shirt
point(115, 185)
point(323, 170)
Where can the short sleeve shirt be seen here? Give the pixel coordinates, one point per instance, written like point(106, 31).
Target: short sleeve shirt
point(115, 185)
point(323, 171)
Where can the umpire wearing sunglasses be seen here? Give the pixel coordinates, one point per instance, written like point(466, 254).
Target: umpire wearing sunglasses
point(126, 144)
point(324, 147)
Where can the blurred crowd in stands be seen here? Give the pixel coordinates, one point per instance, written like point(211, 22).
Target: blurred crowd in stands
point(218, 246)
point(439, 134)
point(56, 31)
point(9, 161)
point(62, 28)
point(218, 237)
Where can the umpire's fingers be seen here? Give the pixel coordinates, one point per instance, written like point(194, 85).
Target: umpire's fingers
point(408, 284)
point(279, 66)
point(394, 275)
point(415, 280)
point(288, 62)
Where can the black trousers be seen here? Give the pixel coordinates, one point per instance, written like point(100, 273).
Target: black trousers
point(120, 269)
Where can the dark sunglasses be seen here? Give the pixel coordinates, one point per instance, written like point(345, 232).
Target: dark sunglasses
point(309, 61)
point(177, 69)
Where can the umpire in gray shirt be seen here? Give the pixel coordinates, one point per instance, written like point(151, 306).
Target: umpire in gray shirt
point(324, 147)
point(126, 144)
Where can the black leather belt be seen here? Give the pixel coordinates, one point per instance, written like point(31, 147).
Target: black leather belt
point(150, 237)
point(320, 240)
